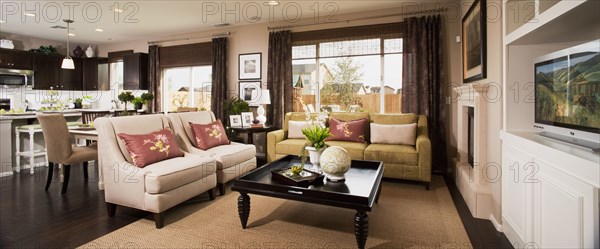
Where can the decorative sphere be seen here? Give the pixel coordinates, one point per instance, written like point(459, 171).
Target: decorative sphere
point(335, 162)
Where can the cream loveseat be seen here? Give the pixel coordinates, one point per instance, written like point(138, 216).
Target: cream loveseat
point(400, 161)
point(156, 187)
point(233, 160)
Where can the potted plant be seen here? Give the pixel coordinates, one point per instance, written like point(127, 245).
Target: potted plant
point(77, 103)
point(138, 103)
point(147, 97)
point(315, 133)
point(126, 97)
point(87, 102)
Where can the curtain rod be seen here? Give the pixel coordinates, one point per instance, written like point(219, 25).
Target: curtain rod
point(222, 34)
point(364, 18)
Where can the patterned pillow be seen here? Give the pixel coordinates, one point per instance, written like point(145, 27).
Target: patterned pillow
point(351, 131)
point(146, 149)
point(209, 135)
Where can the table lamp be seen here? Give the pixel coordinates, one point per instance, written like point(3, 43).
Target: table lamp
point(265, 99)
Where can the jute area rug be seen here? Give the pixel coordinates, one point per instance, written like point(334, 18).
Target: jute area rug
point(407, 216)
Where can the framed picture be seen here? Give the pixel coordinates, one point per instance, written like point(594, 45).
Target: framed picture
point(474, 50)
point(250, 92)
point(250, 66)
point(235, 120)
point(247, 118)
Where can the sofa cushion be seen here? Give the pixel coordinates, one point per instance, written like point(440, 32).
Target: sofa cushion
point(170, 174)
point(397, 118)
point(232, 154)
point(355, 150)
point(392, 153)
point(350, 131)
point(394, 134)
point(290, 146)
point(204, 117)
point(295, 128)
point(209, 135)
point(146, 149)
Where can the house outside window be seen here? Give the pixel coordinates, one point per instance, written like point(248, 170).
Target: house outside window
point(361, 73)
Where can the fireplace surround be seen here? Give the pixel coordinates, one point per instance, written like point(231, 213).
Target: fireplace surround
point(470, 174)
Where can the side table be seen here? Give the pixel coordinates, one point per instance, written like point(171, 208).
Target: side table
point(251, 130)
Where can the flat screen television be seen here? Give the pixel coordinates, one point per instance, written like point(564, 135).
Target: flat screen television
point(567, 95)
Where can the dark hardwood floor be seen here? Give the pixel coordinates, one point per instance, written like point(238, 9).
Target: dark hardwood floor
point(33, 218)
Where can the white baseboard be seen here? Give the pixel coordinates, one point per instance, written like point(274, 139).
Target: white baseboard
point(3, 174)
point(495, 223)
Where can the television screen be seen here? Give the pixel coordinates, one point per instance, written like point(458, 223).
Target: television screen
point(567, 91)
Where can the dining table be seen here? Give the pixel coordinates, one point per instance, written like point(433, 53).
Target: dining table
point(89, 133)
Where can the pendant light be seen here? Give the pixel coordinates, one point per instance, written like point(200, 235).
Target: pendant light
point(67, 62)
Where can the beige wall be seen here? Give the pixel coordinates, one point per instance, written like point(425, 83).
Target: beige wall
point(494, 77)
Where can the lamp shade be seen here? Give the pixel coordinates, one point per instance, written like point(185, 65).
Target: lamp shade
point(265, 98)
point(67, 63)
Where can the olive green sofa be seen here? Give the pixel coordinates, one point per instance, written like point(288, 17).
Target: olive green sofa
point(400, 161)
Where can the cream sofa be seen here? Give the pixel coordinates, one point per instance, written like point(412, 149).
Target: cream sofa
point(400, 161)
point(233, 160)
point(156, 187)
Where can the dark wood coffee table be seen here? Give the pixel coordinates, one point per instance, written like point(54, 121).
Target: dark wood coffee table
point(359, 191)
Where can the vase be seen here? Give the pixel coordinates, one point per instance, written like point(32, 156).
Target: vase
point(78, 52)
point(138, 106)
point(335, 162)
point(89, 52)
point(314, 156)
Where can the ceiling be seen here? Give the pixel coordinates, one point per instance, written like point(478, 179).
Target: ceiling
point(152, 19)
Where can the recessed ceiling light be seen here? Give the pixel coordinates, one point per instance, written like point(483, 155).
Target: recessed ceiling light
point(273, 3)
point(29, 14)
point(118, 10)
point(99, 30)
point(71, 34)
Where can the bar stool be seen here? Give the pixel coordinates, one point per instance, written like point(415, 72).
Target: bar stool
point(31, 153)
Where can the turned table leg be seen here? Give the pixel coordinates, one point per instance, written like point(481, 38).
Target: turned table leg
point(244, 208)
point(361, 228)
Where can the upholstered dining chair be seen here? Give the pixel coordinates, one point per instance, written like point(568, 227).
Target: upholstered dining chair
point(61, 150)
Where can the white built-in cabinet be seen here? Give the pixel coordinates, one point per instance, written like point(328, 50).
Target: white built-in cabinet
point(550, 189)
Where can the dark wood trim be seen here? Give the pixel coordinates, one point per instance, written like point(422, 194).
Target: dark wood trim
point(221, 188)
point(50, 174)
point(85, 170)
point(211, 194)
point(111, 209)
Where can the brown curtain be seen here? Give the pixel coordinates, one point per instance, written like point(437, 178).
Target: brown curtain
point(154, 76)
point(423, 80)
point(219, 77)
point(279, 78)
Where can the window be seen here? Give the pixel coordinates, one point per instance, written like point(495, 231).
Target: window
point(187, 87)
point(116, 75)
point(363, 74)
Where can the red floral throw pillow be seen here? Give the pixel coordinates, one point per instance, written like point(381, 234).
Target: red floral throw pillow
point(146, 149)
point(209, 135)
point(351, 131)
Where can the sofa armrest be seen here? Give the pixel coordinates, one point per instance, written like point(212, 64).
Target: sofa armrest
point(273, 138)
point(423, 145)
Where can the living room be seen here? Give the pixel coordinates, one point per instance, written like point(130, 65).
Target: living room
point(456, 76)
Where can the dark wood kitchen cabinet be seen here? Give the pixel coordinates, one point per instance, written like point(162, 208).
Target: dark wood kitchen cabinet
point(71, 79)
point(46, 71)
point(135, 71)
point(95, 74)
point(15, 59)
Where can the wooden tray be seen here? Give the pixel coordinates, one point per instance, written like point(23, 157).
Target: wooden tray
point(304, 179)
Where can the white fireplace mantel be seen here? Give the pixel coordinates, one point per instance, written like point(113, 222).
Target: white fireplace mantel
point(472, 181)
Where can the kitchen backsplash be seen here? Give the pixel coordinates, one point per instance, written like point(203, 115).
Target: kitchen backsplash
point(100, 99)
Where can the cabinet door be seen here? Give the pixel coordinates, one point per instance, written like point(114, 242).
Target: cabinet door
point(46, 71)
point(135, 71)
point(72, 79)
point(15, 59)
point(95, 74)
point(518, 173)
point(564, 210)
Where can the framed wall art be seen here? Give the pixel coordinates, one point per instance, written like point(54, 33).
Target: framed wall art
point(474, 50)
point(249, 91)
point(250, 66)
